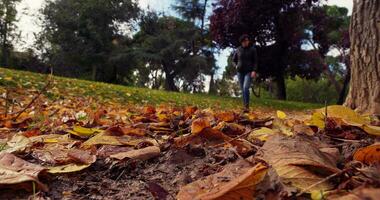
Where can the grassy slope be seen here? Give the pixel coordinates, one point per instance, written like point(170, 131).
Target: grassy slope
point(117, 93)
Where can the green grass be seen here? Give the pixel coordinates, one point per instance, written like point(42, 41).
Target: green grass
point(68, 87)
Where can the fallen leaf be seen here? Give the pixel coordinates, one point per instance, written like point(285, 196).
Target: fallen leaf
point(231, 129)
point(199, 124)
point(302, 129)
point(345, 116)
point(281, 114)
point(261, 134)
point(214, 137)
point(18, 143)
point(235, 182)
point(373, 130)
point(149, 110)
point(368, 155)
point(157, 191)
point(14, 170)
point(293, 159)
point(69, 168)
point(225, 116)
point(81, 156)
point(101, 138)
point(127, 131)
point(360, 194)
point(139, 154)
point(84, 132)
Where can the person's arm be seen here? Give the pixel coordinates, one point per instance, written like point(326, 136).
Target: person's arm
point(235, 58)
point(255, 60)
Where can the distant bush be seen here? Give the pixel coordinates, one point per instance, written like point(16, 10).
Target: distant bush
point(313, 91)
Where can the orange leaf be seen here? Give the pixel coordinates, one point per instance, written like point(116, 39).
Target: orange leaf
point(149, 110)
point(236, 181)
point(225, 116)
point(368, 155)
point(199, 124)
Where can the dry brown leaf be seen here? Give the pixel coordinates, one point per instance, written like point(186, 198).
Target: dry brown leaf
point(81, 156)
point(214, 137)
point(231, 129)
point(101, 138)
point(18, 143)
point(14, 170)
point(225, 116)
point(368, 155)
point(149, 110)
point(303, 129)
point(118, 130)
point(235, 182)
point(139, 154)
point(296, 161)
point(199, 124)
point(360, 194)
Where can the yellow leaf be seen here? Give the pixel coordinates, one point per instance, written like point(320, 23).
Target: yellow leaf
point(67, 168)
point(344, 113)
point(317, 119)
point(52, 138)
point(317, 195)
point(373, 130)
point(281, 114)
point(261, 134)
point(84, 132)
point(102, 138)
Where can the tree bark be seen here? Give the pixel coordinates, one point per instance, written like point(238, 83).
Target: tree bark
point(4, 45)
point(364, 93)
point(281, 87)
point(169, 79)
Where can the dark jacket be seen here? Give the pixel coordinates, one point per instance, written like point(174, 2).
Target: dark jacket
point(245, 59)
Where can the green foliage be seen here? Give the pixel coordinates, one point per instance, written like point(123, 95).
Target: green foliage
point(168, 44)
point(189, 9)
point(8, 28)
point(313, 91)
point(82, 36)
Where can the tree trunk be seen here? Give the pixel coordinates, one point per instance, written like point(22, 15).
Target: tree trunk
point(364, 93)
point(169, 79)
point(342, 94)
point(281, 87)
point(4, 45)
point(212, 89)
point(94, 72)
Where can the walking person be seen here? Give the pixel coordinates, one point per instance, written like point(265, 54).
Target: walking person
point(245, 61)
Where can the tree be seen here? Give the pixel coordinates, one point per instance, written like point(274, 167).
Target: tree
point(8, 27)
point(329, 30)
point(364, 92)
point(166, 43)
point(82, 36)
point(278, 28)
point(195, 11)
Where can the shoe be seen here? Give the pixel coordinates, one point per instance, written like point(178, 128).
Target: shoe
point(246, 109)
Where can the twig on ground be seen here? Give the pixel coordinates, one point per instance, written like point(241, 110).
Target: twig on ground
point(322, 181)
point(32, 101)
point(235, 138)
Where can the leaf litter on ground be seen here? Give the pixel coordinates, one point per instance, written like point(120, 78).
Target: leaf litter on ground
point(80, 147)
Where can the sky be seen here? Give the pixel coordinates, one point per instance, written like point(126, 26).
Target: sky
point(28, 20)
